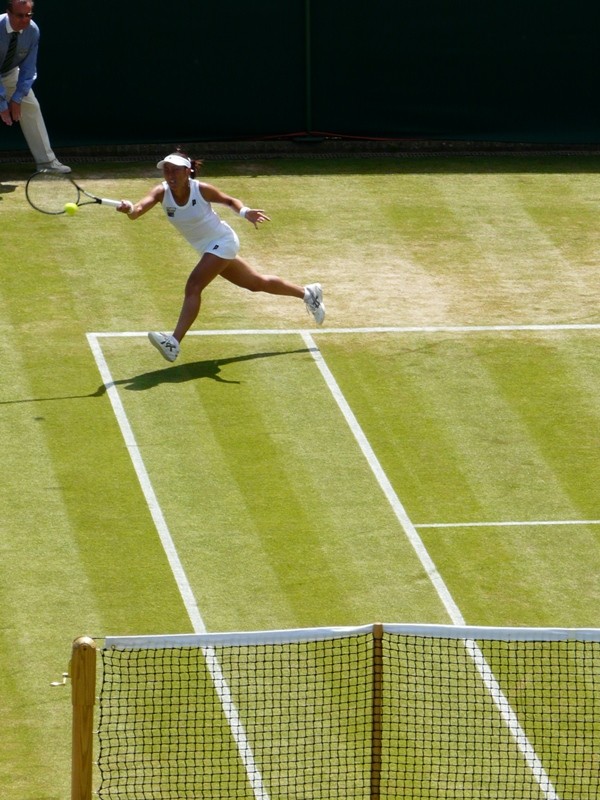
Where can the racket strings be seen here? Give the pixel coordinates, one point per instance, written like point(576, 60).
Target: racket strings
point(49, 193)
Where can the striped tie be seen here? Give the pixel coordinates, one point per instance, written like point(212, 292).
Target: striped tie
point(10, 53)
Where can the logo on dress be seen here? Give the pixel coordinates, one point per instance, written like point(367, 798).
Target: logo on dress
point(170, 211)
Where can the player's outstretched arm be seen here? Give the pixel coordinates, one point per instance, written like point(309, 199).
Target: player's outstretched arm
point(213, 195)
point(135, 210)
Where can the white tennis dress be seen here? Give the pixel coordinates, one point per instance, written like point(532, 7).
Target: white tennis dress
point(199, 224)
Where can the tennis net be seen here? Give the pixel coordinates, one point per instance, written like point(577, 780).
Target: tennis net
point(378, 711)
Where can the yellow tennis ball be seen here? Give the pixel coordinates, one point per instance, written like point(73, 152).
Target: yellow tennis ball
point(71, 208)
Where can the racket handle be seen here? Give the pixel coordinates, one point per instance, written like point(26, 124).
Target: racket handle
point(114, 203)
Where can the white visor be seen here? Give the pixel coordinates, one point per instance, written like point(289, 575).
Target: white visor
point(178, 161)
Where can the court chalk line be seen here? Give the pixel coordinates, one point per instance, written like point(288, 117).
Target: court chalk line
point(220, 683)
point(164, 534)
point(493, 687)
point(575, 326)
point(509, 524)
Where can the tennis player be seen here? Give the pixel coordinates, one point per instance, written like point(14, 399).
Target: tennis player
point(187, 203)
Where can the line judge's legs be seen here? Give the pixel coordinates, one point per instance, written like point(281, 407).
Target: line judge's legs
point(32, 121)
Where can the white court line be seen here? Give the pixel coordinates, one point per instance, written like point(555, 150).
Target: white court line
point(489, 679)
point(383, 481)
point(584, 326)
point(532, 524)
point(220, 683)
point(164, 534)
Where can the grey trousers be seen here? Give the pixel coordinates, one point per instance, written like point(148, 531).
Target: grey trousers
point(32, 121)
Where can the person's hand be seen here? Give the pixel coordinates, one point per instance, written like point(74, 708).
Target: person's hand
point(15, 111)
point(6, 117)
point(256, 216)
point(125, 207)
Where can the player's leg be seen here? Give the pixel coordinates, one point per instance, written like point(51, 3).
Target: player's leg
point(242, 274)
point(205, 271)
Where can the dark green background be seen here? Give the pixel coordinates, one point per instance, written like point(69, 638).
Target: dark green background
point(504, 70)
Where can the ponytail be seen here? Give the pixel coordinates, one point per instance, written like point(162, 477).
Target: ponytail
point(195, 162)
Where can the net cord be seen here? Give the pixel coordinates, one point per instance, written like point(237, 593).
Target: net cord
point(238, 638)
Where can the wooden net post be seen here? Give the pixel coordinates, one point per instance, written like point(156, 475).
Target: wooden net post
point(83, 690)
point(376, 730)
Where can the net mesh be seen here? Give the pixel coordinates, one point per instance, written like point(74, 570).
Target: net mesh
point(303, 720)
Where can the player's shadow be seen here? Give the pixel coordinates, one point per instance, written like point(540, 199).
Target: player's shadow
point(182, 373)
point(192, 371)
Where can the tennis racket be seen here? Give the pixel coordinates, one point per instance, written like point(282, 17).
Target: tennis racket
point(50, 192)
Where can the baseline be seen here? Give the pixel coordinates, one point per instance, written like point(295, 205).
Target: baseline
point(584, 326)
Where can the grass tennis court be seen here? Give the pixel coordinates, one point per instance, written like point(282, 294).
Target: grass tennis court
point(461, 335)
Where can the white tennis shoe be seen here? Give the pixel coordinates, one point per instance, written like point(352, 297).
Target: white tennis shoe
point(167, 346)
point(313, 298)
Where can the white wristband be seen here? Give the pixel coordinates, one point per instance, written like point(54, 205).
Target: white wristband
point(243, 211)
